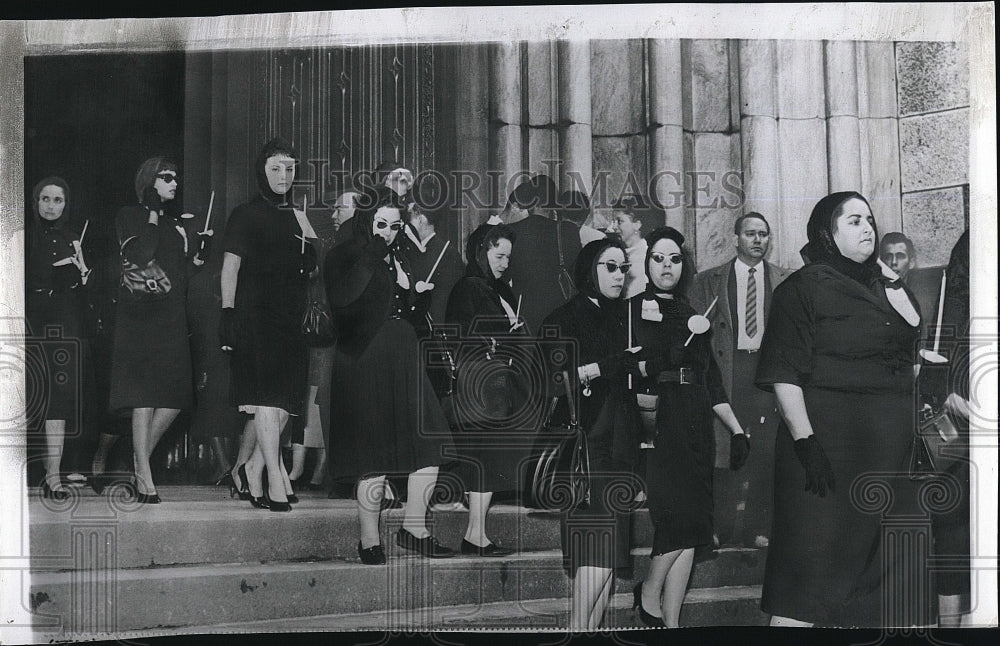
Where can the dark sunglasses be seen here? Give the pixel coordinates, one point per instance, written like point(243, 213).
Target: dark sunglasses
point(169, 178)
point(613, 266)
point(658, 258)
point(395, 226)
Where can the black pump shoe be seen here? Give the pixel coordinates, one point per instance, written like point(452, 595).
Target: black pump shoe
point(646, 618)
point(490, 550)
point(373, 555)
point(428, 546)
point(48, 492)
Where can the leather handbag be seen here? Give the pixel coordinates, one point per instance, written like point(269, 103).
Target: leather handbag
point(142, 284)
point(929, 454)
point(560, 479)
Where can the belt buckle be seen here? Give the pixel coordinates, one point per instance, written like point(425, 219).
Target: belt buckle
point(684, 376)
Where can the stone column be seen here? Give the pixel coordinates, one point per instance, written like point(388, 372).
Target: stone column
point(575, 143)
point(879, 132)
point(666, 128)
point(543, 111)
point(842, 132)
point(472, 132)
point(505, 113)
point(802, 156)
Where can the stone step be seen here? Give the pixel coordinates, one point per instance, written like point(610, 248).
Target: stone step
point(202, 525)
point(723, 606)
point(148, 598)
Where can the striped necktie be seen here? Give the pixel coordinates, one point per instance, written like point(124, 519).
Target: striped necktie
point(751, 308)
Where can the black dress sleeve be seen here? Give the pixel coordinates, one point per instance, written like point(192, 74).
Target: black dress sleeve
point(713, 381)
point(787, 347)
point(240, 235)
point(139, 238)
point(346, 273)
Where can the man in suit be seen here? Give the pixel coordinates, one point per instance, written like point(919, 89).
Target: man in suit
point(541, 265)
point(743, 287)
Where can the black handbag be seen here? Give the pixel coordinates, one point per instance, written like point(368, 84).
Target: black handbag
point(928, 455)
point(560, 479)
point(142, 284)
point(317, 325)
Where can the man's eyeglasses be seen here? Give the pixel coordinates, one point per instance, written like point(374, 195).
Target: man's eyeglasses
point(613, 266)
point(382, 224)
point(168, 178)
point(658, 258)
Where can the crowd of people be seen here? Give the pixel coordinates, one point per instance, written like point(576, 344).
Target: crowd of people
point(737, 404)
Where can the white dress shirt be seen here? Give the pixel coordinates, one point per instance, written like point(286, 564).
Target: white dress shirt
point(744, 342)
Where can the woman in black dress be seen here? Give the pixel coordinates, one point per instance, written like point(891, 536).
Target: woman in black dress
point(265, 272)
point(689, 385)
point(55, 274)
point(151, 361)
point(839, 352)
point(487, 402)
point(388, 417)
point(595, 538)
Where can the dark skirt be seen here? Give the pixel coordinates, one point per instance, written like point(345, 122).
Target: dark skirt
point(386, 418)
point(599, 534)
point(496, 421)
point(151, 359)
point(679, 469)
point(270, 361)
point(826, 561)
point(55, 351)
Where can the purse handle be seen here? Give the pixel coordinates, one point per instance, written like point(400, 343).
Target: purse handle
point(569, 398)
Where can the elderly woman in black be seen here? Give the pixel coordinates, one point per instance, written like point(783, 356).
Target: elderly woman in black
point(389, 419)
point(680, 370)
point(151, 360)
point(595, 538)
point(54, 276)
point(839, 352)
point(487, 402)
point(269, 258)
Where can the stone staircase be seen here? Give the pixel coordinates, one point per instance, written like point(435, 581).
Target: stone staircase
point(203, 563)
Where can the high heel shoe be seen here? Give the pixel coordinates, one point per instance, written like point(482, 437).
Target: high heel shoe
point(258, 502)
point(98, 481)
point(645, 617)
point(48, 492)
point(274, 505)
point(242, 489)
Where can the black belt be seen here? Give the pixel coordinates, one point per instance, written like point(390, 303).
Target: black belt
point(680, 376)
point(754, 351)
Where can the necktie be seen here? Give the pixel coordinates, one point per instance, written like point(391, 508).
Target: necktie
point(751, 309)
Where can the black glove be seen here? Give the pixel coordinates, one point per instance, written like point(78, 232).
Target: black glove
point(204, 245)
point(819, 473)
point(376, 248)
point(227, 329)
point(151, 199)
point(653, 368)
point(307, 260)
point(620, 364)
point(739, 449)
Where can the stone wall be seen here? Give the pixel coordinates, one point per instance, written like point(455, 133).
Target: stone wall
point(714, 128)
point(933, 91)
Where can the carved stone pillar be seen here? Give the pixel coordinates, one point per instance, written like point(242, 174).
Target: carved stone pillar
point(666, 128)
point(505, 113)
point(842, 131)
point(575, 137)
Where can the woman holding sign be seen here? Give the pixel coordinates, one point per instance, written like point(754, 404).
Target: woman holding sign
point(679, 371)
point(593, 344)
point(265, 271)
point(389, 419)
point(55, 273)
point(151, 360)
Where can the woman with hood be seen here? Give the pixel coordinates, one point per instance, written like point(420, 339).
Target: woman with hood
point(390, 420)
point(151, 359)
point(679, 369)
point(592, 327)
point(487, 403)
point(268, 260)
point(839, 352)
point(55, 274)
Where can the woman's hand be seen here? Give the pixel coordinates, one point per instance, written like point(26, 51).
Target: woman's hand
point(819, 472)
point(204, 246)
point(376, 248)
point(739, 450)
point(151, 198)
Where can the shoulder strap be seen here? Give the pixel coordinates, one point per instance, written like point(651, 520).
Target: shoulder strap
point(562, 262)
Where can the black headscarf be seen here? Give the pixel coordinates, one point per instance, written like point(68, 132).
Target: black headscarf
point(277, 146)
point(367, 203)
point(46, 225)
point(687, 268)
point(145, 177)
point(823, 249)
point(585, 270)
point(480, 241)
